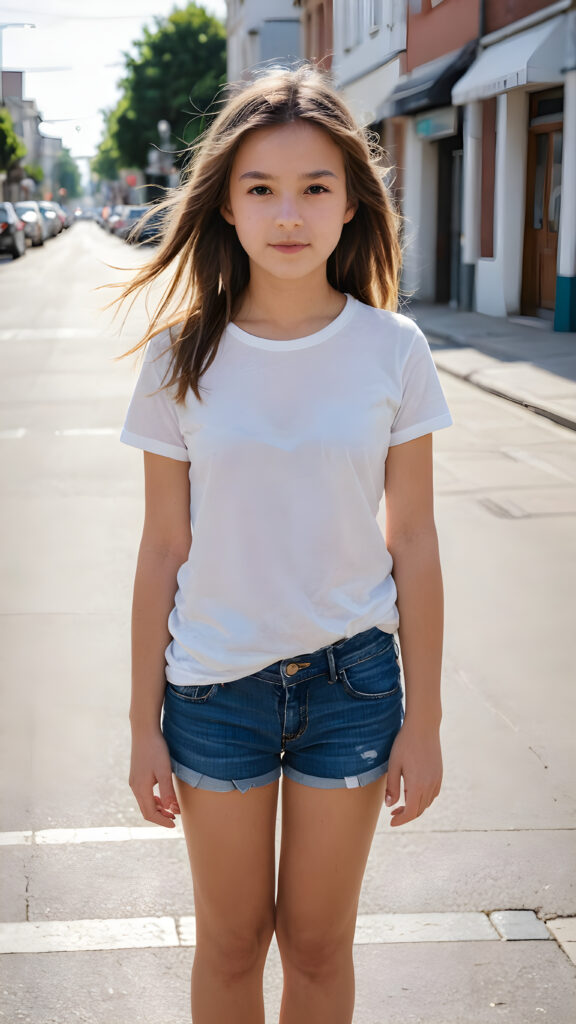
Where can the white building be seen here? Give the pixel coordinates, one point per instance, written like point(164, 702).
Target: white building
point(369, 38)
point(519, 239)
point(260, 31)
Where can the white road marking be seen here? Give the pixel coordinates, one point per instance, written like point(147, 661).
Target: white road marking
point(17, 433)
point(13, 433)
point(15, 838)
point(86, 431)
point(23, 334)
point(141, 932)
point(66, 936)
point(104, 834)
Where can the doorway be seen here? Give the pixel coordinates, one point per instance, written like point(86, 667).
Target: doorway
point(449, 220)
point(543, 194)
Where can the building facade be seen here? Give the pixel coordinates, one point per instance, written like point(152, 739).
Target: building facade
point(474, 102)
point(41, 150)
point(258, 32)
point(519, 204)
point(423, 134)
point(369, 45)
point(317, 30)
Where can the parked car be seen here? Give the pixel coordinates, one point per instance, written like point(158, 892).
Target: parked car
point(114, 217)
point(35, 227)
point(128, 222)
point(102, 214)
point(66, 217)
point(50, 216)
point(152, 230)
point(12, 236)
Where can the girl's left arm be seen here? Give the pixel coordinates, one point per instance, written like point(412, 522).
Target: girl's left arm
point(412, 541)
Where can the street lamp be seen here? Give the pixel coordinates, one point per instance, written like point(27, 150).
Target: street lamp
point(165, 154)
point(10, 24)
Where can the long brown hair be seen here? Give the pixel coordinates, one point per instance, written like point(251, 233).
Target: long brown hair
point(212, 268)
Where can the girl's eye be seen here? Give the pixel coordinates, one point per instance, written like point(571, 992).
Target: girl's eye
point(254, 187)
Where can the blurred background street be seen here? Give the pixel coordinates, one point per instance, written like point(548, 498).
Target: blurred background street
point(468, 914)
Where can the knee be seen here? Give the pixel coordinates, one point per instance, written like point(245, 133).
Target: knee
point(313, 952)
point(234, 951)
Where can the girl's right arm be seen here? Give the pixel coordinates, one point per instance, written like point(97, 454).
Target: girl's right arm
point(165, 545)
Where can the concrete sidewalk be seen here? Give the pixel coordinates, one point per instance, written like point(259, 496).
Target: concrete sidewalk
point(518, 358)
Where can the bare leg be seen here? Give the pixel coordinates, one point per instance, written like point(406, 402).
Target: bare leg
point(326, 839)
point(230, 840)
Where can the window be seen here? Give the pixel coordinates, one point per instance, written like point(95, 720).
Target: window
point(555, 183)
point(320, 33)
point(352, 24)
point(539, 180)
point(308, 35)
point(374, 16)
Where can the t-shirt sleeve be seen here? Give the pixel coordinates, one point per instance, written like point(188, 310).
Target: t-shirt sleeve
point(151, 422)
point(423, 407)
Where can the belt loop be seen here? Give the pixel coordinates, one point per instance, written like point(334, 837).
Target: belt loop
point(332, 664)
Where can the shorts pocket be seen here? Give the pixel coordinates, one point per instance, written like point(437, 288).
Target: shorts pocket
point(196, 694)
point(373, 677)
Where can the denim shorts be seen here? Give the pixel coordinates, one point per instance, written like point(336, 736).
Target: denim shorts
point(326, 719)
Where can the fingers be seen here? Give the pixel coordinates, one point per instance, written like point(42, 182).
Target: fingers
point(393, 785)
point(160, 810)
point(168, 797)
point(415, 806)
point(402, 815)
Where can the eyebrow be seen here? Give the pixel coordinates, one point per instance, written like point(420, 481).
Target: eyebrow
point(262, 176)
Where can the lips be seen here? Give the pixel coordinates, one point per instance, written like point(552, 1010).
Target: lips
point(289, 246)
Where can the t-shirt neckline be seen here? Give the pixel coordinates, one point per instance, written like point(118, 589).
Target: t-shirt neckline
point(292, 343)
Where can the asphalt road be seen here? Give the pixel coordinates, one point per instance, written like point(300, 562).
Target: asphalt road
point(104, 919)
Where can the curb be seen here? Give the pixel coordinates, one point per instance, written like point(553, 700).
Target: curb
point(529, 404)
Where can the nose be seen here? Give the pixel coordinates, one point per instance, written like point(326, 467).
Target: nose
point(288, 214)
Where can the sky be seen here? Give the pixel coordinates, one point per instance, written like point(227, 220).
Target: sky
point(73, 58)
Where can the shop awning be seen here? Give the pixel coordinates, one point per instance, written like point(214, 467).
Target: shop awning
point(429, 85)
point(533, 56)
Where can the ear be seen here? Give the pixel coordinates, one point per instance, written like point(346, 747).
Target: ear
point(226, 212)
point(350, 210)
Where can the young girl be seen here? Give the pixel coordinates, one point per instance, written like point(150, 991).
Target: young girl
point(265, 609)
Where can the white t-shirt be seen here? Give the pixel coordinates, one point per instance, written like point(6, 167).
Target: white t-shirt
point(286, 454)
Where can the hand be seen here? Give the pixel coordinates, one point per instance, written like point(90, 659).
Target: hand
point(415, 755)
point(150, 764)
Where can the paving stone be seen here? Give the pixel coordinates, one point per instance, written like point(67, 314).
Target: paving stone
point(563, 928)
point(564, 931)
point(519, 924)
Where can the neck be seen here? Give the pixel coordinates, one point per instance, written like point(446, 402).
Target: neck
point(287, 303)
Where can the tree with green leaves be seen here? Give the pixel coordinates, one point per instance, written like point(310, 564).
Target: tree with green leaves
point(12, 149)
point(35, 172)
point(67, 175)
point(174, 75)
point(106, 164)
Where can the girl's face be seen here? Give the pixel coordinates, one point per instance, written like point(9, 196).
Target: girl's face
point(288, 185)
